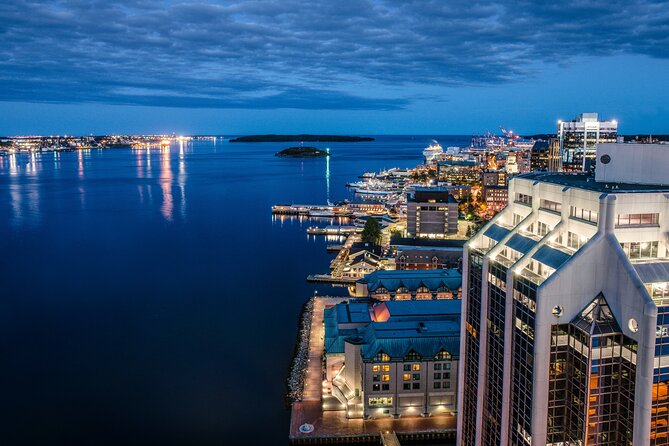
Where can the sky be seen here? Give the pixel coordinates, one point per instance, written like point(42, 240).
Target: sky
point(323, 66)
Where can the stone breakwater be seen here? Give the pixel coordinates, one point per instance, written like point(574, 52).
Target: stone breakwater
point(298, 370)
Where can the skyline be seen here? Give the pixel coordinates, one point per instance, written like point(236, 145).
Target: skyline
point(357, 67)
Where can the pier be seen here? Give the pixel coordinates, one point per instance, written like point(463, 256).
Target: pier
point(309, 424)
point(327, 278)
point(333, 230)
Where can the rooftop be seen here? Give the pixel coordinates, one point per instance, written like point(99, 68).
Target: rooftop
point(587, 181)
point(433, 279)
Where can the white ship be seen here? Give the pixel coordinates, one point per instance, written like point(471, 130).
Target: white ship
point(432, 152)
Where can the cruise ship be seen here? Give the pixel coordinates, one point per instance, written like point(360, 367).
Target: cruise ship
point(432, 152)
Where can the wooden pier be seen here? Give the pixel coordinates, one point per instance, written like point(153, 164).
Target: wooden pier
point(327, 278)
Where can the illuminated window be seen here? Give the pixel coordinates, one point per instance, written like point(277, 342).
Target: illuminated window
point(376, 368)
point(380, 401)
point(381, 357)
point(406, 377)
point(443, 355)
point(385, 377)
point(416, 367)
point(385, 368)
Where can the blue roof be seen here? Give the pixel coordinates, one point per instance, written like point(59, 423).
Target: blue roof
point(652, 272)
point(433, 279)
point(426, 326)
point(521, 243)
point(496, 232)
point(551, 256)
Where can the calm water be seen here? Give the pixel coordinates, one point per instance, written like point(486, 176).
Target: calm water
point(148, 297)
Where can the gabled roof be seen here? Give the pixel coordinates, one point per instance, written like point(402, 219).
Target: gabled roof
point(432, 279)
point(597, 318)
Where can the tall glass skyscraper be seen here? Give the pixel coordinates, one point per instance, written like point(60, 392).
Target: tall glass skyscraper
point(578, 140)
point(565, 336)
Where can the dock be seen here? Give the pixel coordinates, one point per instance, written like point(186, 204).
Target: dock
point(309, 424)
point(333, 230)
point(327, 278)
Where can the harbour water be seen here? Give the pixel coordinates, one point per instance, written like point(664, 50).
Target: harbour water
point(149, 296)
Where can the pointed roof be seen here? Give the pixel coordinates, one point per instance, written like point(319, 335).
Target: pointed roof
point(597, 318)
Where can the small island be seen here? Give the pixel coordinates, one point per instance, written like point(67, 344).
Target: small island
point(302, 152)
point(301, 138)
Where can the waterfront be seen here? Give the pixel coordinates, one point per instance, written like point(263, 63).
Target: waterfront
point(150, 297)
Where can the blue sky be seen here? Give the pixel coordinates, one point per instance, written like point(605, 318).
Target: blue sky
point(349, 66)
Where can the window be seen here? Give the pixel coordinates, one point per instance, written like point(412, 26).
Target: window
point(407, 367)
point(381, 357)
point(385, 386)
point(447, 385)
point(583, 214)
point(415, 386)
point(625, 220)
point(415, 367)
point(447, 375)
point(437, 366)
point(376, 368)
point(376, 378)
point(406, 377)
point(640, 250)
point(385, 368)
point(437, 385)
point(416, 376)
point(542, 228)
point(380, 401)
point(443, 355)
point(412, 355)
point(437, 376)
point(376, 387)
point(406, 386)
point(574, 241)
point(385, 377)
point(549, 205)
point(524, 199)
point(447, 366)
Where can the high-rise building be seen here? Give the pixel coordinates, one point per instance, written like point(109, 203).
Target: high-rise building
point(565, 335)
point(545, 156)
point(579, 137)
point(432, 212)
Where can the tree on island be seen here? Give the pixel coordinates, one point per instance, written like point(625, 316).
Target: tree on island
point(371, 233)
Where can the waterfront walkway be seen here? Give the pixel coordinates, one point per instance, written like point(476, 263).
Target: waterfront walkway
point(331, 426)
point(313, 385)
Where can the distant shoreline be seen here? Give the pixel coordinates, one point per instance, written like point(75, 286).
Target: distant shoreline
point(301, 138)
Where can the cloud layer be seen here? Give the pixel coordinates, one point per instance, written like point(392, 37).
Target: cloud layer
point(320, 54)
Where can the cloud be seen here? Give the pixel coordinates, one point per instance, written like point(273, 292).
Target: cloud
point(321, 54)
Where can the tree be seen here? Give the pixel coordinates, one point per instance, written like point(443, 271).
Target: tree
point(371, 233)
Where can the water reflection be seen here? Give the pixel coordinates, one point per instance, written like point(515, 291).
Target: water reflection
point(181, 179)
point(327, 175)
point(166, 184)
point(80, 159)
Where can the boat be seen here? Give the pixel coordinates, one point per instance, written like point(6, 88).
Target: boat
point(432, 151)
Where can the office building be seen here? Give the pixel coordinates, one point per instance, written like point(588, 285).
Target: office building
point(578, 140)
point(432, 212)
point(565, 337)
point(495, 178)
point(458, 171)
point(495, 198)
point(393, 359)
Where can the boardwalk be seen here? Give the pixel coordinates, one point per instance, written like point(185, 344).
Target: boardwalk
point(331, 425)
point(314, 382)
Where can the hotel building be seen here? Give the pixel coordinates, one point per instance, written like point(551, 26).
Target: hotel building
point(432, 212)
point(411, 285)
point(392, 359)
point(579, 138)
point(565, 338)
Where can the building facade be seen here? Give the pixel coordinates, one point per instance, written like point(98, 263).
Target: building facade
point(393, 359)
point(416, 258)
point(565, 294)
point(578, 139)
point(432, 212)
point(466, 172)
point(495, 198)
